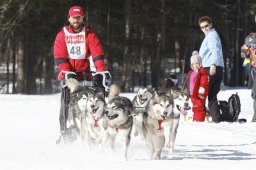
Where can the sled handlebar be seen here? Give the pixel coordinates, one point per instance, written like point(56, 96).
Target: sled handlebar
point(106, 76)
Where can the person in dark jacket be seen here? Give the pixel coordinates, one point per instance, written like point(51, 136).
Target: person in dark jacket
point(249, 49)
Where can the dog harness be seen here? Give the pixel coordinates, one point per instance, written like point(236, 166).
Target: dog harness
point(127, 124)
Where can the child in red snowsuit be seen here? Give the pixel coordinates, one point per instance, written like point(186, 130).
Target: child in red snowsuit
point(198, 87)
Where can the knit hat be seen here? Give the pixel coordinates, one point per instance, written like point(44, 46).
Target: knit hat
point(250, 40)
point(195, 58)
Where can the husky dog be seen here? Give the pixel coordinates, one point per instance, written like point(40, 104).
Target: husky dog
point(81, 129)
point(181, 105)
point(73, 110)
point(119, 118)
point(96, 121)
point(80, 120)
point(159, 108)
point(74, 114)
point(140, 102)
point(181, 101)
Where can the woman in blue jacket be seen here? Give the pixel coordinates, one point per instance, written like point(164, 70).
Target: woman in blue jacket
point(212, 60)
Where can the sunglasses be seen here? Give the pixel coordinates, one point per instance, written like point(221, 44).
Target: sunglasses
point(203, 27)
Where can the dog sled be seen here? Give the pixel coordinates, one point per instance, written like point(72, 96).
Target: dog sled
point(68, 134)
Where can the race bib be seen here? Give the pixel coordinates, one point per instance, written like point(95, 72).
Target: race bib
point(75, 44)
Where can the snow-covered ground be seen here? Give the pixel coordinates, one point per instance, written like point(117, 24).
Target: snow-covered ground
point(29, 128)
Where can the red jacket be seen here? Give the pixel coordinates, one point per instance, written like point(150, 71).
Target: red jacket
point(202, 80)
point(93, 48)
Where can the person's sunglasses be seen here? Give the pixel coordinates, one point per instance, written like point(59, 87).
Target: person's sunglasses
point(203, 27)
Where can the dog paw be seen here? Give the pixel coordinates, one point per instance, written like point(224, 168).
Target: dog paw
point(70, 123)
point(156, 156)
point(167, 145)
point(171, 156)
point(136, 133)
point(171, 153)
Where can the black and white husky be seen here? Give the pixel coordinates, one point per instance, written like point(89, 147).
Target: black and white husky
point(119, 118)
point(140, 101)
point(73, 117)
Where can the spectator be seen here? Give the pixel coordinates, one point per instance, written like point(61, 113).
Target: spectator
point(198, 87)
point(247, 64)
point(250, 51)
point(212, 61)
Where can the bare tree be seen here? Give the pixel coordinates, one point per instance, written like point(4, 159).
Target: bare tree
point(12, 13)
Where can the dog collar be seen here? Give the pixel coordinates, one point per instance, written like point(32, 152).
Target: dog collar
point(96, 124)
point(127, 124)
point(173, 116)
point(138, 110)
point(160, 124)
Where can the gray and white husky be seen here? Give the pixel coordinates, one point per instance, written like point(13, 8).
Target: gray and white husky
point(73, 111)
point(160, 107)
point(119, 118)
point(73, 119)
point(140, 101)
point(95, 119)
point(171, 124)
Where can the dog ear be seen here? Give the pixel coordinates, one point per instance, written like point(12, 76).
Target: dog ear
point(169, 93)
point(156, 93)
point(178, 107)
point(72, 84)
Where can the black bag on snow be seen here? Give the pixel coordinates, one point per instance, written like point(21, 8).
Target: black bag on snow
point(230, 109)
point(225, 115)
point(234, 106)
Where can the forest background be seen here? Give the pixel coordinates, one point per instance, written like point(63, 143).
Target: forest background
point(145, 41)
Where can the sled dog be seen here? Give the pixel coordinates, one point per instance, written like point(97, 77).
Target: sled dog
point(160, 107)
point(171, 124)
point(181, 100)
point(73, 109)
point(95, 119)
point(81, 127)
point(119, 118)
point(140, 101)
point(73, 120)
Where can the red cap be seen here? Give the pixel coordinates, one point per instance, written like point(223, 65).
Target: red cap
point(76, 11)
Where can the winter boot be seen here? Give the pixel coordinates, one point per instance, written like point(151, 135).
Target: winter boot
point(215, 110)
point(254, 118)
point(199, 114)
point(254, 108)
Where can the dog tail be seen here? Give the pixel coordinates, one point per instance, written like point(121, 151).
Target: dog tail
point(114, 91)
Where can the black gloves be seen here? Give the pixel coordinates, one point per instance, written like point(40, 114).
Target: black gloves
point(98, 80)
point(102, 80)
point(71, 75)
